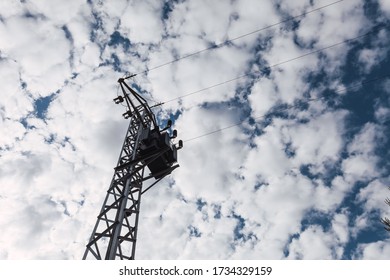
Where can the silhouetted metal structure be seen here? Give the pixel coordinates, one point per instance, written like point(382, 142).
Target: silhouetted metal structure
point(115, 233)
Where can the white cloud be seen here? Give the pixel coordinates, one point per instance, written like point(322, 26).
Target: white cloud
point(184, 78)
point(385, 6)
point(211, 163)
point(313, 243)
point(319, 140)
point(90, 56)
point(362, 162)
point(324, 30)
point(382, 114)
point(248, 178)
point(263, 97)
point(374, 251)
point(11, 131)
point(59, 13)
point(268, 159)
point(44, 64)
point(373, 196)
point(9, 9)
point(369, 59)
point(340, 227)
point(293, 8)
point(326, 198)
point(206, 26)
point(142, 22)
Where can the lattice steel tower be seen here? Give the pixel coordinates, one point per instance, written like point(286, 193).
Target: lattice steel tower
point(115, 233)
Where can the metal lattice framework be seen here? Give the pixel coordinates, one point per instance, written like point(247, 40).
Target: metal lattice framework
point(115, 233)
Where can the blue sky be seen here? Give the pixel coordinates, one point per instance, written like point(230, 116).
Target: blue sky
point(302, 175)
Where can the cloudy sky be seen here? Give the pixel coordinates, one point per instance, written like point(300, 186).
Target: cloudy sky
point(296, 93)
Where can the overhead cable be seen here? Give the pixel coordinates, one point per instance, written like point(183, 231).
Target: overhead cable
point(356, 85)
point(239, 37)
point(374, 29)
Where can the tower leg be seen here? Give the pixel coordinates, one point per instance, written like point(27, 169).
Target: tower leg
point(115, 232)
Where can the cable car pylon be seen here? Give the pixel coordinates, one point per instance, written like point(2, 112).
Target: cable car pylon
point(145, 147)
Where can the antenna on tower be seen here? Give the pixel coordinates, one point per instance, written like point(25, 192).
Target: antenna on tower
point(145, 147)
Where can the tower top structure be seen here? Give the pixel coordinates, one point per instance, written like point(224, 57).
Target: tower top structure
point(145, 147)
